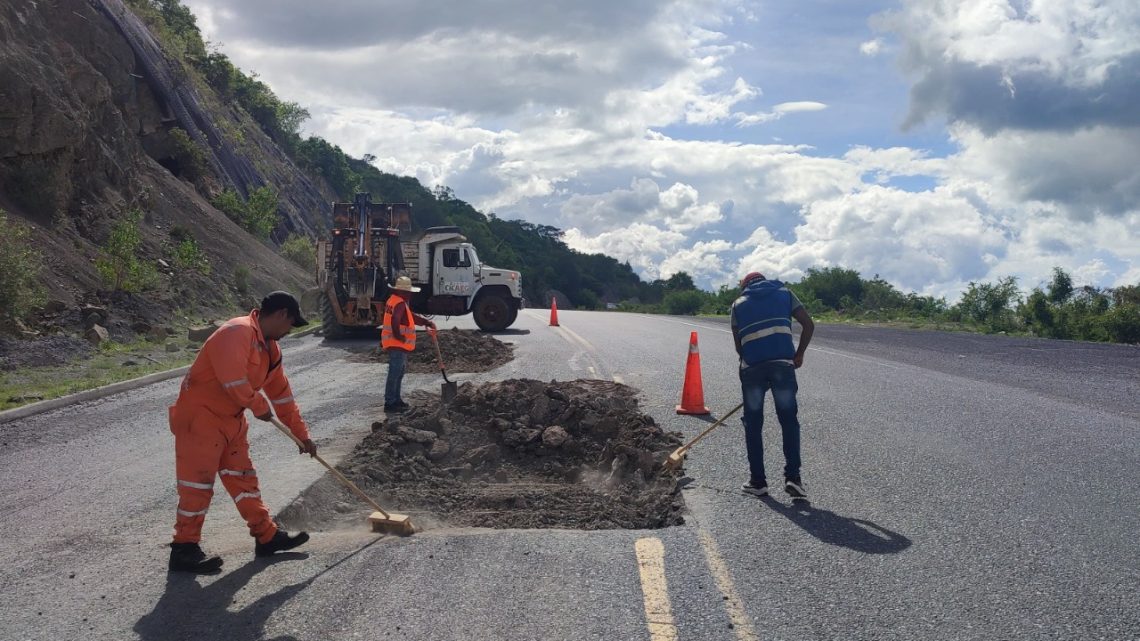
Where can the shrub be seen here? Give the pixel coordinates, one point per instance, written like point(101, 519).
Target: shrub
point(261, 212)
point(118, 262)
point(241, 279)
point(991, 304)
point(189, 256)
point(190, 156)
point(684, 303)
point(20, 289)
point(1123, 323)
point(300, 250)
point(258, 215)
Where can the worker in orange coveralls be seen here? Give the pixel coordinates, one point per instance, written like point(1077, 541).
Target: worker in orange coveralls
point(239, 361)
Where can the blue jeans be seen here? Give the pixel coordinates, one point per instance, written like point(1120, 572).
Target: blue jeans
point(397, 363)
point(755, 381)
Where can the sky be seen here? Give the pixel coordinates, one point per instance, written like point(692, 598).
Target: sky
point(930, 142)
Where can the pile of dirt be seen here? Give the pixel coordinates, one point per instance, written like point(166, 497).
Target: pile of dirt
point(514, 454)
point(463, 350)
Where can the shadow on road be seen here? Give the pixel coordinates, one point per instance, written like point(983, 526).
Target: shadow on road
point(188, 610)
point(192, 612)
point(510, 332)
point(829, 527)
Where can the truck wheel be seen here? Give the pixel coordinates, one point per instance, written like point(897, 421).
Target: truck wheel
point(492, 314)
point(514, 316)
point(331, 328)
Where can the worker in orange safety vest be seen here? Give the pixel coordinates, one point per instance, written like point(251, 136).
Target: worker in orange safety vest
point(235, 365)
point(398, 339)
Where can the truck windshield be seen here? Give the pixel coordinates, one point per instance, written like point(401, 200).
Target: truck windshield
point(470, 256)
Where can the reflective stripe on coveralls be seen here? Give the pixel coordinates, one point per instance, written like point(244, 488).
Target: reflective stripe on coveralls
point(235, 365)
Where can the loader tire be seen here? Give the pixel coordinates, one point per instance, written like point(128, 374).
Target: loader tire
point(331, 328)
point(492, 313)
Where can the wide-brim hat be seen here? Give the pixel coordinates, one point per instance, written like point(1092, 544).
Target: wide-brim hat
point(404, 284)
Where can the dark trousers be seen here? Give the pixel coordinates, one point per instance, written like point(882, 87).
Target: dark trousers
point(755, 381)
point(397, 363)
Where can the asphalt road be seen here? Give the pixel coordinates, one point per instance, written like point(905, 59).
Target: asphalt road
point(963, 487)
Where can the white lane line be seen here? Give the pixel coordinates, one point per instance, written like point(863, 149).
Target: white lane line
point(741, 625)
point(677, 322)
point(857, 358)
point(658, 609)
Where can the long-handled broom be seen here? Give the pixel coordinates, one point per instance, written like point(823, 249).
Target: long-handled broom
point(678, 456)
point(381, 520)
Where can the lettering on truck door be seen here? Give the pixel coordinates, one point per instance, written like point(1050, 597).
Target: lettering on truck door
point(455, 276)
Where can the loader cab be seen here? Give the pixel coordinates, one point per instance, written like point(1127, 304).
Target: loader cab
point(455, 270)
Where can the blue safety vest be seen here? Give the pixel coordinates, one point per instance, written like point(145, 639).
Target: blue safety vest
point(762, 318)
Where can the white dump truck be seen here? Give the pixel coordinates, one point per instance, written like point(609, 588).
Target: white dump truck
point(368, 249)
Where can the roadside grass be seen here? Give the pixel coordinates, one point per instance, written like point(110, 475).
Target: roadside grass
point(113, 363)
point(108, 365)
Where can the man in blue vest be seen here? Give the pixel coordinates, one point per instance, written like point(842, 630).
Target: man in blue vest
point(762, 330)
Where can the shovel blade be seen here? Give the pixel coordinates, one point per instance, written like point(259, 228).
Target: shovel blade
point(447, 391)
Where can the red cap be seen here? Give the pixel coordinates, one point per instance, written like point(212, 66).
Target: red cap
point(752, 276)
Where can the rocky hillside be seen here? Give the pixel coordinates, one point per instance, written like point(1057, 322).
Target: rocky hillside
point(98, 124)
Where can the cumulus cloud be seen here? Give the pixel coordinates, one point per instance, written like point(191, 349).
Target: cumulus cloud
point(914, 240)
point(871, 47)
point(627, 125)
point(996, 64)
point(677, 208)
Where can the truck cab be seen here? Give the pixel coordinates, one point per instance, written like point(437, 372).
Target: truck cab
point(456, 282)
point(367, 251)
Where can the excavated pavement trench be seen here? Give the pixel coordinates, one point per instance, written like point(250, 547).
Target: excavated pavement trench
point(513, 454)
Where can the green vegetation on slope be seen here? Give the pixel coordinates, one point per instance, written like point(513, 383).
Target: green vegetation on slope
point(593, 280)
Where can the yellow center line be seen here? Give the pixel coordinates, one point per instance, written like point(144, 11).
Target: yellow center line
point(658, 610)
point(736, 615)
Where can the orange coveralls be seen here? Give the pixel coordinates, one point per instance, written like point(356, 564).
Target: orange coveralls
point(210, 428)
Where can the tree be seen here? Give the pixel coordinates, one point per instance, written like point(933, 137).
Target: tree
point(1061, 287)
point(681, 281)
point(831, 284)
point(991, 304)
point(118, 263)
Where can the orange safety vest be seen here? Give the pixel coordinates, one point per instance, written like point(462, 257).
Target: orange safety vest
point(406, 338)
point(233, 367)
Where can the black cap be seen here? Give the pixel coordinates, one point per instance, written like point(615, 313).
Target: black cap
point(283, 300)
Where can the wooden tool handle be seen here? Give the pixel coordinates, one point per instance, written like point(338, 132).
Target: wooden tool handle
point(340, 477)
point(686, 446)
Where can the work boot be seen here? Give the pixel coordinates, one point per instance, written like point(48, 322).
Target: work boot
point(189, 557)
point(280, 542)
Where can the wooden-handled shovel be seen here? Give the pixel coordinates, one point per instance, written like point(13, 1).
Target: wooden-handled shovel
point(447, 389)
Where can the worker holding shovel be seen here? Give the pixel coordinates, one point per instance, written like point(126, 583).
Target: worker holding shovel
point(398, 339)
point(762, 330)
point(236, 363)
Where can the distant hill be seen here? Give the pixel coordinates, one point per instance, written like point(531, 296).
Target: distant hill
point(113, 112)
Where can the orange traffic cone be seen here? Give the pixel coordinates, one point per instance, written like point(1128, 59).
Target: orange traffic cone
point(693, 394)
point(553, 312)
